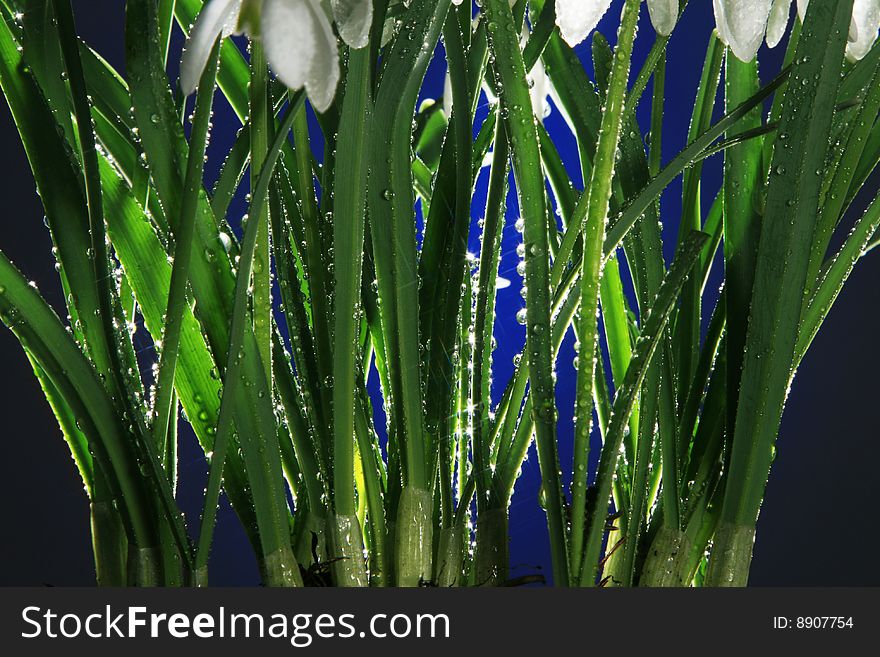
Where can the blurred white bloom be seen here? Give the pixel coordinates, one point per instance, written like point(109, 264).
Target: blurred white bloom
point(297, 37)
point(577, 18)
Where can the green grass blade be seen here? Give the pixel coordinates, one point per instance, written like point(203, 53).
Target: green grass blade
point(484, 319)
point(259, 117)
point(691, 404)
point(391, 201)
point(232, 173)
point(197, 379)
point(73, 435)
point(445, 258)
point(654, 60)
point(153, 454)
point(615, 308)
point(743, 186)
point(686, 333)
point(580, 104)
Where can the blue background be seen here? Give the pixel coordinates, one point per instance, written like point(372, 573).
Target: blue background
point(817, 526)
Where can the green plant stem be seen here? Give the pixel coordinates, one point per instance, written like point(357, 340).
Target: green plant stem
point(516, 101)
point(492, 537)
point(445, 259)
point(348, 243)
point(743, 178)
point(391, 201)
point(260, 113)
point(375, 486)
point(599, 191)
point(166, 23)
point(109, 542)
point(484, 318)
point(656, 58)
point(316, 273)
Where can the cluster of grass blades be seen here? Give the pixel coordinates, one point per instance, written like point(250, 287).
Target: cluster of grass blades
point(369, 251)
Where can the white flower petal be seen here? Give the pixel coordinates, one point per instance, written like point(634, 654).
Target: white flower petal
point(539, 85)
point(802, 9)
point(301, 48)
point(447, 95)
point(664, 15)
point(577, 18)
point(354, 18)
point(746, 24)
point(218, 17)
point(720, 21)
point(778, 22)
point(866, 17)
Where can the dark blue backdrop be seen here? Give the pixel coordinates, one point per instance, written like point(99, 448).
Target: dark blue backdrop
point(817, 526)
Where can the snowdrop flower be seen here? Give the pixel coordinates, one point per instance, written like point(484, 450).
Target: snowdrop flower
point(742, 24)
point(777, 22)
point(297, 37)
point(862, 30)
point(577, 18)
point(664, 15)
